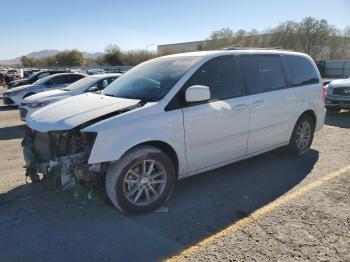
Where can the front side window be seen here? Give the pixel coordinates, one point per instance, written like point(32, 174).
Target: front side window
point(102, 84)
point(58, 80)
point(152, 80)
point(82, 83)
point(301, 70)
point(220, 76)
point(42, 75)
point(262, 73)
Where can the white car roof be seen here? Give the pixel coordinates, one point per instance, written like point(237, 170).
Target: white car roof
point(105, 75)
point(235, 52)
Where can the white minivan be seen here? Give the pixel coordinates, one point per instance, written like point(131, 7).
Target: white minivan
point(176, 116)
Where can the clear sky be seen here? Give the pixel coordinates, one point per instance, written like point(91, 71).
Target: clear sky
point(90, 25)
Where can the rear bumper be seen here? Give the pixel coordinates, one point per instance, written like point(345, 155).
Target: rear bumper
point(336, 104)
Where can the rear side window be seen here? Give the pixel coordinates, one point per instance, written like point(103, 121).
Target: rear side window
point(220, 76)
point(301, 70)
point(75, 77)
point(262, 73)
point(57, 80)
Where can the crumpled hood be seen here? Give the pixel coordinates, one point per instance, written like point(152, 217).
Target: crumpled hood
point(19, 88)
point(340, 83)
point(74, 111)
point(51, 95)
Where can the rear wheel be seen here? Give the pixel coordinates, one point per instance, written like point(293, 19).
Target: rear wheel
point(302, 135)
point(142, 180)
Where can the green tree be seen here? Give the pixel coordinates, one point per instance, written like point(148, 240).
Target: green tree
point(70, 58)
point(218, 39)
point(134, 57)
point(28, 61)
point(113, 56)
point(315, 37)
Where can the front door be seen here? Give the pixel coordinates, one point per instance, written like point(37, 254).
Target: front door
point(216, 131)
point(58, 82)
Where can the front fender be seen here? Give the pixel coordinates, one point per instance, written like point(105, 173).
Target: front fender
point(112, 143)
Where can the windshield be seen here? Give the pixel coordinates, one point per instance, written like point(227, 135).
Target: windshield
point(150, 81)
point(84, 82)
point(42, 81)
point(34, 75)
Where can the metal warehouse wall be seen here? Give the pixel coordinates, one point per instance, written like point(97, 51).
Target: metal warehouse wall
point(337, 68)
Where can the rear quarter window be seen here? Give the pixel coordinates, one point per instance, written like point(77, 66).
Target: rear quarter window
point(302, 71)
point(75, 77)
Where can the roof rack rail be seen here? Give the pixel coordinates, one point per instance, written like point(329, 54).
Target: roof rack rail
point(254, 48)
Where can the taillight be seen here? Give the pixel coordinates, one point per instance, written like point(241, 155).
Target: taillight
point(324, 91)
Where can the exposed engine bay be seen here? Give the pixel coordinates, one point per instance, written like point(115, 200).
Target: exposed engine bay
point(59, 158)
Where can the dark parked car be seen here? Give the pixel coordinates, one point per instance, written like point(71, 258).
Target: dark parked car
point(34, 77)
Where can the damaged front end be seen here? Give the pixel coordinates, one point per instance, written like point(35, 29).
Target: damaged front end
point(60, 158)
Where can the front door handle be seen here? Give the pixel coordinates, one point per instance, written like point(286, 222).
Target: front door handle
point(258, 103)
point(240, 107)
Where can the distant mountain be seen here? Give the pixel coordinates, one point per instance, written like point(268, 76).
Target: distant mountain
point(44, 53)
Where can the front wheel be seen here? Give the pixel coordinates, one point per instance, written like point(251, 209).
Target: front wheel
point(142, 180)
point(302, 136)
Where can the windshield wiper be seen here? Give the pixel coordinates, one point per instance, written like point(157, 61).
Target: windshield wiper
point(107, 94)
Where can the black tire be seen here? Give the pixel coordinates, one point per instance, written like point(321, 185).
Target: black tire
point(333, 110)
point(117, 172)
point(293, 146)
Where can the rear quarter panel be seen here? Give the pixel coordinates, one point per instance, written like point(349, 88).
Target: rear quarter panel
point(310, 97)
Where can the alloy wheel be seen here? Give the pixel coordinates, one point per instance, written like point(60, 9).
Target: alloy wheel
point(303, 135)
point(144, 182)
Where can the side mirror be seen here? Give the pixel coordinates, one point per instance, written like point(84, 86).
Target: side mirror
point(197, 93)
point(92, 89)
point(104, 84)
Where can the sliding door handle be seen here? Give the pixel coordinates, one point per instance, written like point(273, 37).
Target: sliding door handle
point(258, 103)
point(239, 107)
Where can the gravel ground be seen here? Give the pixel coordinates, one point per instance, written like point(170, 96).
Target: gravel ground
point(41, 225)
point(314, 227)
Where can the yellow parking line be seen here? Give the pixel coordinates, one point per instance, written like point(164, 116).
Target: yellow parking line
point(257, 215)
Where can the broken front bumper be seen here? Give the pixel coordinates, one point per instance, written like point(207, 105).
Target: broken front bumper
point(59, 157)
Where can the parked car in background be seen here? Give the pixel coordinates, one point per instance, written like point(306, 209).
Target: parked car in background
point(93, 83)
point(4, 79)
point(95, 71)
point(176, 116)
point(34, 77)
point(15, 95)
point(29, 71)
point(337, 95)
